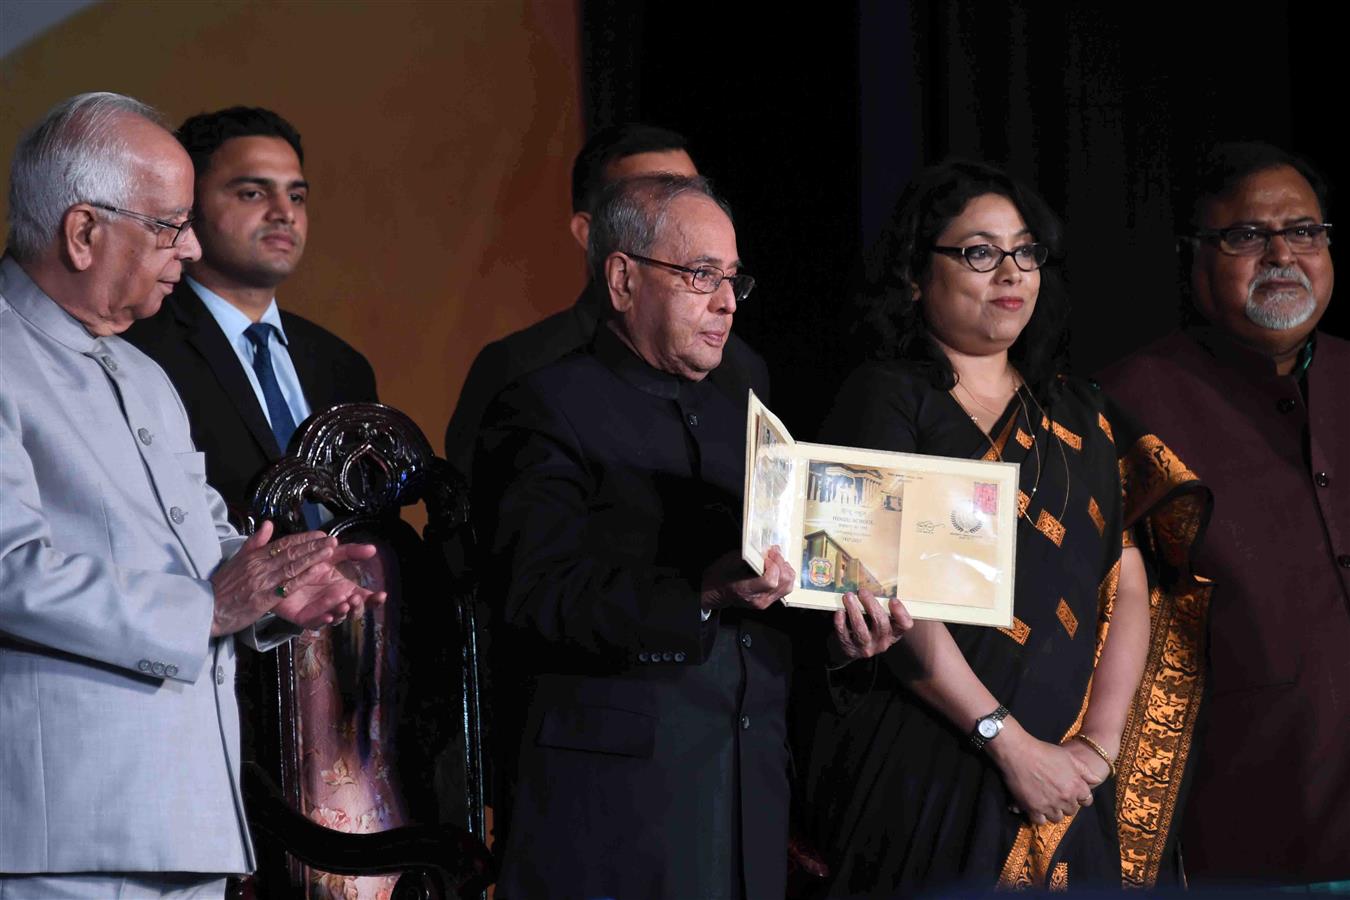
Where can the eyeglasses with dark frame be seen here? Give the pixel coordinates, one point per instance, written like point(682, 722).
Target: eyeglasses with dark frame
point(988, 257)
point(704, 279)
point(1248, 240)
point(160, 226)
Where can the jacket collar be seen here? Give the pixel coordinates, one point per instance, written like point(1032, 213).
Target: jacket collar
point(610, 349)
point(41, 311)
point(1223, 348)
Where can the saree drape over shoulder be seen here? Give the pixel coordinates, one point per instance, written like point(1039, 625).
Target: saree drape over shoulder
point(892, 792)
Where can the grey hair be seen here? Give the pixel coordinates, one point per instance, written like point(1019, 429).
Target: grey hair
point(73, 155)
point(632, 212)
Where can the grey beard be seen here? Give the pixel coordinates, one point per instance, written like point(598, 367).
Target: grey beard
point(1282, 310)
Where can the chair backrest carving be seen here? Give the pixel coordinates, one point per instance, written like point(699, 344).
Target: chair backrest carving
point(366, 711)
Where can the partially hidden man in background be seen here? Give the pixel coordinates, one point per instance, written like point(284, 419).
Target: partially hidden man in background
point(121, 582)
point(612, 154)
point(1254, 397)
point(248, 373)
point(642, 668)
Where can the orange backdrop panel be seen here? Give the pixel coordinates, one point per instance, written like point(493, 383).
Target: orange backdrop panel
point(438, 142)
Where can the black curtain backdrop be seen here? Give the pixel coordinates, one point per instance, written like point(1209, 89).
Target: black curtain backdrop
point(811, 125)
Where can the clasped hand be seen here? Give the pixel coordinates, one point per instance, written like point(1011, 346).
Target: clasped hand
point(1048, 782)
point(296, 577)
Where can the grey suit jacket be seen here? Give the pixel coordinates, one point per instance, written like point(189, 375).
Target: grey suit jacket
point(118, 726)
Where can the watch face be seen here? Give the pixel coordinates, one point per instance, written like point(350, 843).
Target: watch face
point(987, 728)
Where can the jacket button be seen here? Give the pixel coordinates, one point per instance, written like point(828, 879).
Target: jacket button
point(220, 674)
point(1285, 405)
point(680, 657)
point(1344, 560)
point(145, 436)
point(693, 420)
point(177, 514)
point(746, 640)
point(143, 665)
point(171, 671)
point(643, 656)
point(110, 363)
point(1322, 479)
point(157, 668)
point(745, 723)
point(667, 657)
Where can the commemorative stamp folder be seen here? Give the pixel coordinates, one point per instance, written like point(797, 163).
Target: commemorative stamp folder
point(937, 532)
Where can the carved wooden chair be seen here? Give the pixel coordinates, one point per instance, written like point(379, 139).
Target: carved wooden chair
point(365, 734)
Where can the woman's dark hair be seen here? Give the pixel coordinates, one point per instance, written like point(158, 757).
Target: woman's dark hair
point(902, 257)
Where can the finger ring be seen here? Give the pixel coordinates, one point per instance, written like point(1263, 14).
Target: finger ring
point(282, 590)
point(274, 551)
point(339, 621)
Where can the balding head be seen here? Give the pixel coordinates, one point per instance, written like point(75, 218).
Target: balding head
point(76, 153)
point(96, 190)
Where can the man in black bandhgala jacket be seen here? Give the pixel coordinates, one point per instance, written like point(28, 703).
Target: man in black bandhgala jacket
point(641, 668)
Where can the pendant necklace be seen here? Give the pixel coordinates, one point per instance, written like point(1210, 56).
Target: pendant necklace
point(1035, 442)
point(1062, 455)
point(998, 453)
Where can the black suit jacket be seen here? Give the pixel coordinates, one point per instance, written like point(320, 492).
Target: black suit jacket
point(505, 361)
point(643, 750)
point(228, 423)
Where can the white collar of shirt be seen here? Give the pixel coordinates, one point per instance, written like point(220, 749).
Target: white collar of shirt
point(233, 322)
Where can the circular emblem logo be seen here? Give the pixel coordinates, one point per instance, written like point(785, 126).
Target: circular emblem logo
point(966, 522)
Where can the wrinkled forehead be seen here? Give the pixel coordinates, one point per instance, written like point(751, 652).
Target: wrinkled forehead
point(695, 229)
point(161, 169)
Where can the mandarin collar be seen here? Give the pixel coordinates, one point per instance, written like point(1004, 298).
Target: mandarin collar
point(610, 349)
point(41, 311)
point(1243, 358)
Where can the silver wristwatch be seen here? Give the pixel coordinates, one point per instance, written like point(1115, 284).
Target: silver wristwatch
point(988, 727)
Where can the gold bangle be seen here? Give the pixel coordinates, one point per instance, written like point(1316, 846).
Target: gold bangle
point(1097, 749)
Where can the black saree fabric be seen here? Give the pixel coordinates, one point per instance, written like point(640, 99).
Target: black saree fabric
point(892, 793)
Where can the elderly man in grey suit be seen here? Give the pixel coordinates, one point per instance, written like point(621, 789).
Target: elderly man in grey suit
point(122, 586)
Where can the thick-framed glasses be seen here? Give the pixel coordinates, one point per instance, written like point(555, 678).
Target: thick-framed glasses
point(987, 257)
point(167, 234)
point(1248, 240)
point(704, 279)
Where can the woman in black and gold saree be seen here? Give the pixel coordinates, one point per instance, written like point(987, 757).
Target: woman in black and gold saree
point(1027, 756)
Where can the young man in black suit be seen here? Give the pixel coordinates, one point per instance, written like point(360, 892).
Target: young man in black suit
point(613, 154)
point(247, 372)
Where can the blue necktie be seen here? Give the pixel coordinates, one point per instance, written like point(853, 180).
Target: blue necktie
point(283, 423)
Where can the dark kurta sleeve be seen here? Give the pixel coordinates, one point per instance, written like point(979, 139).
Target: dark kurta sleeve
point(565, 566)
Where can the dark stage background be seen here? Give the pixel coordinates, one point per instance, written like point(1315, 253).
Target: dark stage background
point(811, 124)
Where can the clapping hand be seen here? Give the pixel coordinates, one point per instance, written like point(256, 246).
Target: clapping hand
point(296, 577)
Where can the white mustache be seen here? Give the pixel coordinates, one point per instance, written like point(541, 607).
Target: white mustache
point(1288, 273)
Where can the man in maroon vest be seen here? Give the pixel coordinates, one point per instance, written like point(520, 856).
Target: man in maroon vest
point(1253, 397)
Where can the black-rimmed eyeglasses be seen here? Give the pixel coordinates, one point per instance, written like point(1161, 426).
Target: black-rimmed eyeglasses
point(167, 234)
point(704, 279)
point(1248, 240)
point(987, 257)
